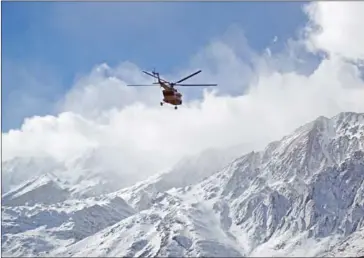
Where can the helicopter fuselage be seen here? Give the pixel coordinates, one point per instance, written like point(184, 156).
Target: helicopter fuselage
point(170, 94)
point(172, 97)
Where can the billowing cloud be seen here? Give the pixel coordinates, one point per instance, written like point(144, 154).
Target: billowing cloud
point(337, 28)
point(106, 88)
point(102, 113)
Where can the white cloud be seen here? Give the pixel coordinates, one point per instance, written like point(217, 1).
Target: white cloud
point(142, 136)
point(337, 28)
point(105, 88)
point(61, 137)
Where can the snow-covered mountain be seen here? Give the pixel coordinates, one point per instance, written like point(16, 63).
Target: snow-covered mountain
point(301, 196)
point(86, 175)
point(82, 173)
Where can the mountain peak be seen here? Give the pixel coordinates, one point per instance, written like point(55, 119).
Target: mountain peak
point(46, 188)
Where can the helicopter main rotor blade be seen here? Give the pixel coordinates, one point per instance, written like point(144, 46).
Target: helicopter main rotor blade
point(201, 85)
point(148, 73)
point(141, 85)
point(187, 77)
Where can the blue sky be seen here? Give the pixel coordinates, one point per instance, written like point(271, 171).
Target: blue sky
point(46, 45)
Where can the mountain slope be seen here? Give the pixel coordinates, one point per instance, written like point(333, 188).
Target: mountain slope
point(36, 230)
point(188, 171)
point(197, 223)
point(351, 246)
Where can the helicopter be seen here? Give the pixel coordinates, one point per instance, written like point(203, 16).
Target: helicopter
point(171, 94)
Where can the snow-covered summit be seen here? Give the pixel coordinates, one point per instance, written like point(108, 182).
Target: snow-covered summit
point(20, 169)
point(46, 188)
